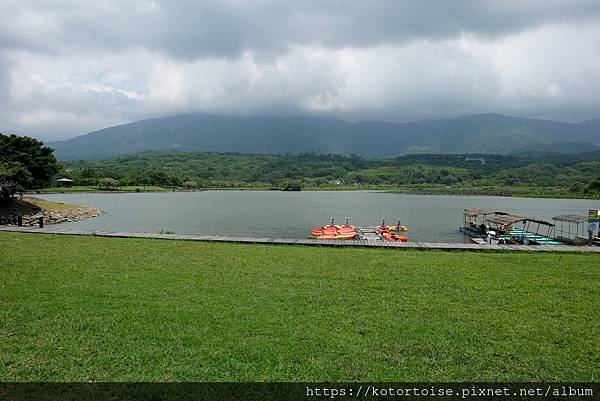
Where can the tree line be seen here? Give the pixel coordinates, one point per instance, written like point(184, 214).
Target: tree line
point(25, 163)
point(309, 170)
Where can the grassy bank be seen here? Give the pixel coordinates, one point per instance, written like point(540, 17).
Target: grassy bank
point(518, 192)
point(523, 192)
point(49, 205)
point(94, 188)
point(89, 308)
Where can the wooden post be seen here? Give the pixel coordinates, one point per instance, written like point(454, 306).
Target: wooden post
point(41, 221)
point(19, 221)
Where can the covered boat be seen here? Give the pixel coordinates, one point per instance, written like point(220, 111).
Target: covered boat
point(506, 228)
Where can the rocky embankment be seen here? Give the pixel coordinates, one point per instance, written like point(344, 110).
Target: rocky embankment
point(52, 217)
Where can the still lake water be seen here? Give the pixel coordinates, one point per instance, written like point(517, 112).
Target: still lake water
point(278, 214)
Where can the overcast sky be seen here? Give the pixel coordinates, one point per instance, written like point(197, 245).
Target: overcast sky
point(70, 67)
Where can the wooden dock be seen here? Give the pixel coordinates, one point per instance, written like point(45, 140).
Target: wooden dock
point(57, 230)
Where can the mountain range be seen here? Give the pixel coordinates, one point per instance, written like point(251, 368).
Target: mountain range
point(480, 133)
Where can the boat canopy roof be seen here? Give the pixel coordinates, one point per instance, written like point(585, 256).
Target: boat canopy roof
point(572, 218)
point(478, 212)
point(544, 222)
point(508, 219)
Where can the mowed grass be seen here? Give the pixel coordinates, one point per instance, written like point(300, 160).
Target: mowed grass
point(78, 308)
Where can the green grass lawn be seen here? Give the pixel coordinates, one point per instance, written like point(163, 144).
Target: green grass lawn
point(89, 308)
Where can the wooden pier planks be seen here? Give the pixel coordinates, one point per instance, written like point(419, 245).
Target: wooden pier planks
point(311, 242)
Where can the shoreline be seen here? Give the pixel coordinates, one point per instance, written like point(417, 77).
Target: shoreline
point(30, 209)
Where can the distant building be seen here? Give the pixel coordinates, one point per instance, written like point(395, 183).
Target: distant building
point(64, 182)
point(475, 159)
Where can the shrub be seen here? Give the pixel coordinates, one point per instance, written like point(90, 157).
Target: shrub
point(108, 183)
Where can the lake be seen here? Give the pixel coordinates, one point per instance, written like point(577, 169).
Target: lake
point(430, 218)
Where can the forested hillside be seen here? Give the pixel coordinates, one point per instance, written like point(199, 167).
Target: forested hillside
point(572, 173)
point(483, 133)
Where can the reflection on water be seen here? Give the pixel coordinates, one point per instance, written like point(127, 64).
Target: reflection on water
point(277, 214)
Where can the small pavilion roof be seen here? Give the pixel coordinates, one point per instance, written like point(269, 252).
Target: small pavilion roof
point(64, 180)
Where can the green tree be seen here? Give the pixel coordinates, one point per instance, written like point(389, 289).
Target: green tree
point(8, 189)
point(11, 175)
point(594, 186)
point(190, 185)
point(108, 183)
point(31, 154)
point(291, 186)
point(15, 172)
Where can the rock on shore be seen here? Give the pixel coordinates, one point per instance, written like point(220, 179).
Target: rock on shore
point(53, 217)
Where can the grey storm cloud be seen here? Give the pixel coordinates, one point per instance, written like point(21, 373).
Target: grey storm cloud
point(67, 67)
point(191, 29)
